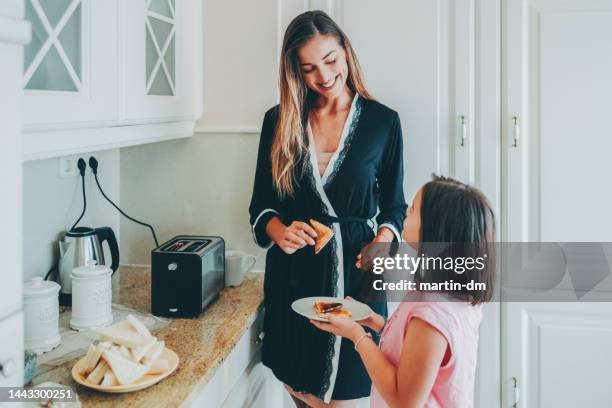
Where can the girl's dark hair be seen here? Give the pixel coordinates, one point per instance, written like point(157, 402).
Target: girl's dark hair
point(457, 222)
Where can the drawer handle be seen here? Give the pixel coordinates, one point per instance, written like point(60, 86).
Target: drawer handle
point(259, 338)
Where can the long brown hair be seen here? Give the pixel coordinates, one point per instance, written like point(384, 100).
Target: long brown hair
point(289, 144)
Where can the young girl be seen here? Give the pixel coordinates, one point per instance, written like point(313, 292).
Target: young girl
point(427, 352)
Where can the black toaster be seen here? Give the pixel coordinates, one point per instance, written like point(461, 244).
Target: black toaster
point(187, 274)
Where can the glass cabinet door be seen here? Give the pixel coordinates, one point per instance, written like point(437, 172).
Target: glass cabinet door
point(52, 60)
point(160, 47)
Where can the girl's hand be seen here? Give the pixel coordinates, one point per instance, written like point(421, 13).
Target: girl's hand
point(290, 238)
point(341, 326)
point(375, 321)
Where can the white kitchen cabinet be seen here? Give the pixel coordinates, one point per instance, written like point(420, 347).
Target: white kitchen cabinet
point(557, 354)
point(556, 120)
point(462, 104)
point(102, 74)
point(70, 66)
point(14, 33)
point(556, 145)
point(160, 60)
point(242, 380)
point(11, 354)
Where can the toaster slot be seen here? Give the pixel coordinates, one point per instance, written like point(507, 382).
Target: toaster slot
point(176, 245)
point(196, 246)
point(185, 245)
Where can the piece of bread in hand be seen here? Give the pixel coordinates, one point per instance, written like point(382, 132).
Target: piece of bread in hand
point(324, 235)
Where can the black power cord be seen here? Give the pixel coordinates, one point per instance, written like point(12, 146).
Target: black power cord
point(82, 167)
point(93, 163)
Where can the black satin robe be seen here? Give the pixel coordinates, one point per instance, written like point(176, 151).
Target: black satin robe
point(365, 180)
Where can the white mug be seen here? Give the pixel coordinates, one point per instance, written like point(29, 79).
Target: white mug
point(237, 263)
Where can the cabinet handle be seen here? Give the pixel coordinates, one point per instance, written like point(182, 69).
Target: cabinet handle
point(259, 338)
point(516, 393)
point(7, 368)
point(517, 131)
point(463, 131)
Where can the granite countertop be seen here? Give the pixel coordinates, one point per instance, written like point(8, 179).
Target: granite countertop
point(202, 344)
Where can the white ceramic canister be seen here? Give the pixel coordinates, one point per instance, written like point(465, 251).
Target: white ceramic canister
point(92, 296)
point(41, 311)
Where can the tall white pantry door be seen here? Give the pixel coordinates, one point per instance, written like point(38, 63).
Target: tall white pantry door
point(557, 187)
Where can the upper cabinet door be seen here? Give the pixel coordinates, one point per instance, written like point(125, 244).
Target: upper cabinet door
point(557, 143)
point(462, 55)
point(70, 74)
point(161, 60)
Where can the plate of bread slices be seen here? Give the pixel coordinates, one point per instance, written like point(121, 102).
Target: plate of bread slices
point(127, 357)
point(321, 307)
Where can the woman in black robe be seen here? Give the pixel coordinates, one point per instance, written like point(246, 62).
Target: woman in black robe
point(327, 152)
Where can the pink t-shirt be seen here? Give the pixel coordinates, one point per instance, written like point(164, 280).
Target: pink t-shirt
point(459, 323)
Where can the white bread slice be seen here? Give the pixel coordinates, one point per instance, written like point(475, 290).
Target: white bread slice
point(154, 352)
point(98, 373)
point(92, 357)
point(139, 326)
point(106, 345)
point(121, 333)
point(125, 370)
point(109, 379)
point(139, 352)
point(125, 352)
point(158, 367)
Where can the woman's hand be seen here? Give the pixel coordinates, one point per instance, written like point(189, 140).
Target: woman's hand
point(341, 326)
point(290, 238)
point(375, 249)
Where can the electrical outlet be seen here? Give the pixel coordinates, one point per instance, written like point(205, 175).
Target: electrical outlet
point(68, 165)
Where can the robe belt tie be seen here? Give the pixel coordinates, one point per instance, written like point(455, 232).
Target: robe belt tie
point(344, 220)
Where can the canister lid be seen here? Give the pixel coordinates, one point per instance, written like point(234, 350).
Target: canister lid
point(39, 287)
point(91, 269)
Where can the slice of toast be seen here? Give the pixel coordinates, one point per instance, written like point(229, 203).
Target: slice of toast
point(324, 235)
point(326, 309)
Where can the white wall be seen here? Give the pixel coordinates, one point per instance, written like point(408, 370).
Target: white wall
point(198, 186)
point(52, 204)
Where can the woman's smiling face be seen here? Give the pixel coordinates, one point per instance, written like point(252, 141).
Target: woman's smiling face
point(323, 65)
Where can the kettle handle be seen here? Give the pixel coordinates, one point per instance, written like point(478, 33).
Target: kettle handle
point(107, 234)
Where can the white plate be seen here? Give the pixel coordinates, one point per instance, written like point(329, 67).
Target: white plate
point(305, 307)
point(144, 382)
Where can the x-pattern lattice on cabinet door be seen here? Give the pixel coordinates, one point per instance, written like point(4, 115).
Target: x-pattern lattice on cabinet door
point(52, 60)
point(160, 47)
